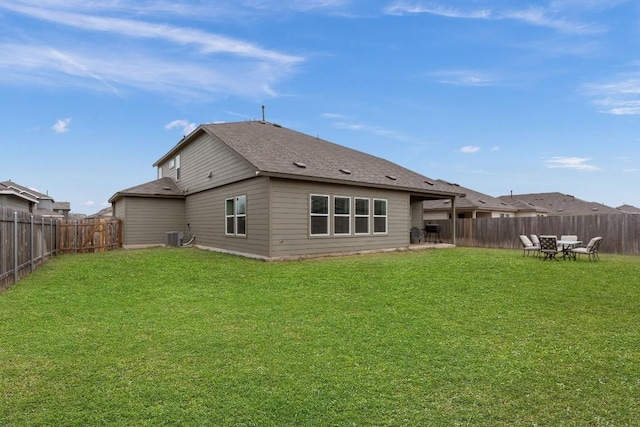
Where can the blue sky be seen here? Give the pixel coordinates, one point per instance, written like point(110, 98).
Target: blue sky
point(495, 95)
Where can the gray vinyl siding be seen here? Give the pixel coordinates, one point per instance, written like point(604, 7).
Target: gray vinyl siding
point(290, 220)
point(146, 220)
point(207, 156)
point(206, 217)
point(15, 203)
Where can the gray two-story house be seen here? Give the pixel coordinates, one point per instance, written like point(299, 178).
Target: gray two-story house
point(258, 189)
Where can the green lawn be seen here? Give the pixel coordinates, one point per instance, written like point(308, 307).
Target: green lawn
point(447, 337)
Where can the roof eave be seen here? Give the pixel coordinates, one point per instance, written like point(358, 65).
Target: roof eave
point(119, 196)
point(413, 190)
point(176, 148)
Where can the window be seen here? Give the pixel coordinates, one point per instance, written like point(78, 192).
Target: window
point(178, 167)
point(236, 216)
point(319, 215)
point(379, 216)
point(362, 216)
point(341, 215)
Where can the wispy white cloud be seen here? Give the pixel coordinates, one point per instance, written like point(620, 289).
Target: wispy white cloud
point(579, 163)
point(186, 126)
point(207, 43)
point(62, 125)
point(341, 121)
point(620, 96)
point(464, 78)
point(406, 7)
point(537, 16)
point(469, 149)
point(134, 55)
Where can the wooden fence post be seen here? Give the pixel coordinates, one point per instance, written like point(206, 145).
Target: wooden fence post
point(15, 248)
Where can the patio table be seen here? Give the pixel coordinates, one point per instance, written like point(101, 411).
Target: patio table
point(567, 245)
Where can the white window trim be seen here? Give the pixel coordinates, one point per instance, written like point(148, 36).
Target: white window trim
point(356, 216)
point(347, 215)
point(235, 215)
point(385, 216)
point(327, 215)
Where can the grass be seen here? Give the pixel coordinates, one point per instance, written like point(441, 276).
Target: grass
point(433, 338)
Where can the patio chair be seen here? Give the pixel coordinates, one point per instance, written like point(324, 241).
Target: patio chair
point(527, 245)
point(536, 242)
point(591, 249)
point(549, 247)
point(416, 235)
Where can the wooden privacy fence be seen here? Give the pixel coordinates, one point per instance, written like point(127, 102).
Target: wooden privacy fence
point(27, 240)
point(620, 232)
point(90, 235)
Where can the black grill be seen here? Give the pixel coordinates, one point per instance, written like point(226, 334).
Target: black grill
point(432, 233)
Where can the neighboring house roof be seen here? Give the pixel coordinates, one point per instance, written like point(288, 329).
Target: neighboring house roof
point(473, 200)
point(62, 206)
point(4, 190)
point(280, 152)
point(33, 196)
point(102, 213)
point(25, 192)
point(523, 206)
point(163, 187)
point(628, 209)
point(562, 204)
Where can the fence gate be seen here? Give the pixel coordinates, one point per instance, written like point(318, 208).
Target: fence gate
point(90, 235)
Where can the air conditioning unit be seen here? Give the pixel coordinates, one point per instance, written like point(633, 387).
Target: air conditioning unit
point(173, 239)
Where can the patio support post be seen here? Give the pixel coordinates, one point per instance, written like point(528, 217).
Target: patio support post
point(453, 219)
point(31, 248)
point(15, 248)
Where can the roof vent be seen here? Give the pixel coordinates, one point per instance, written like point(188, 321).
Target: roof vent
point(300, 165)
point(165, 187)
point(391, 177)
point(594, 209)
point(429, 182)
point(482, 201)
point(345, 171)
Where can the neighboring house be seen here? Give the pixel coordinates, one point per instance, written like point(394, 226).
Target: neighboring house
point(258, 189)
point(102, 214)
point(17, 200)
point(472, 205)
point(628, 209)
point(525, 209)
point(62, 208)
point(558, 204)
point(25, 199)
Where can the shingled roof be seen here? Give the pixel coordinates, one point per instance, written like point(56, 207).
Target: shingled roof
point(163, 187)
point(628, 209)
point(280, 152)
point(472, 200)
point(562, 204)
